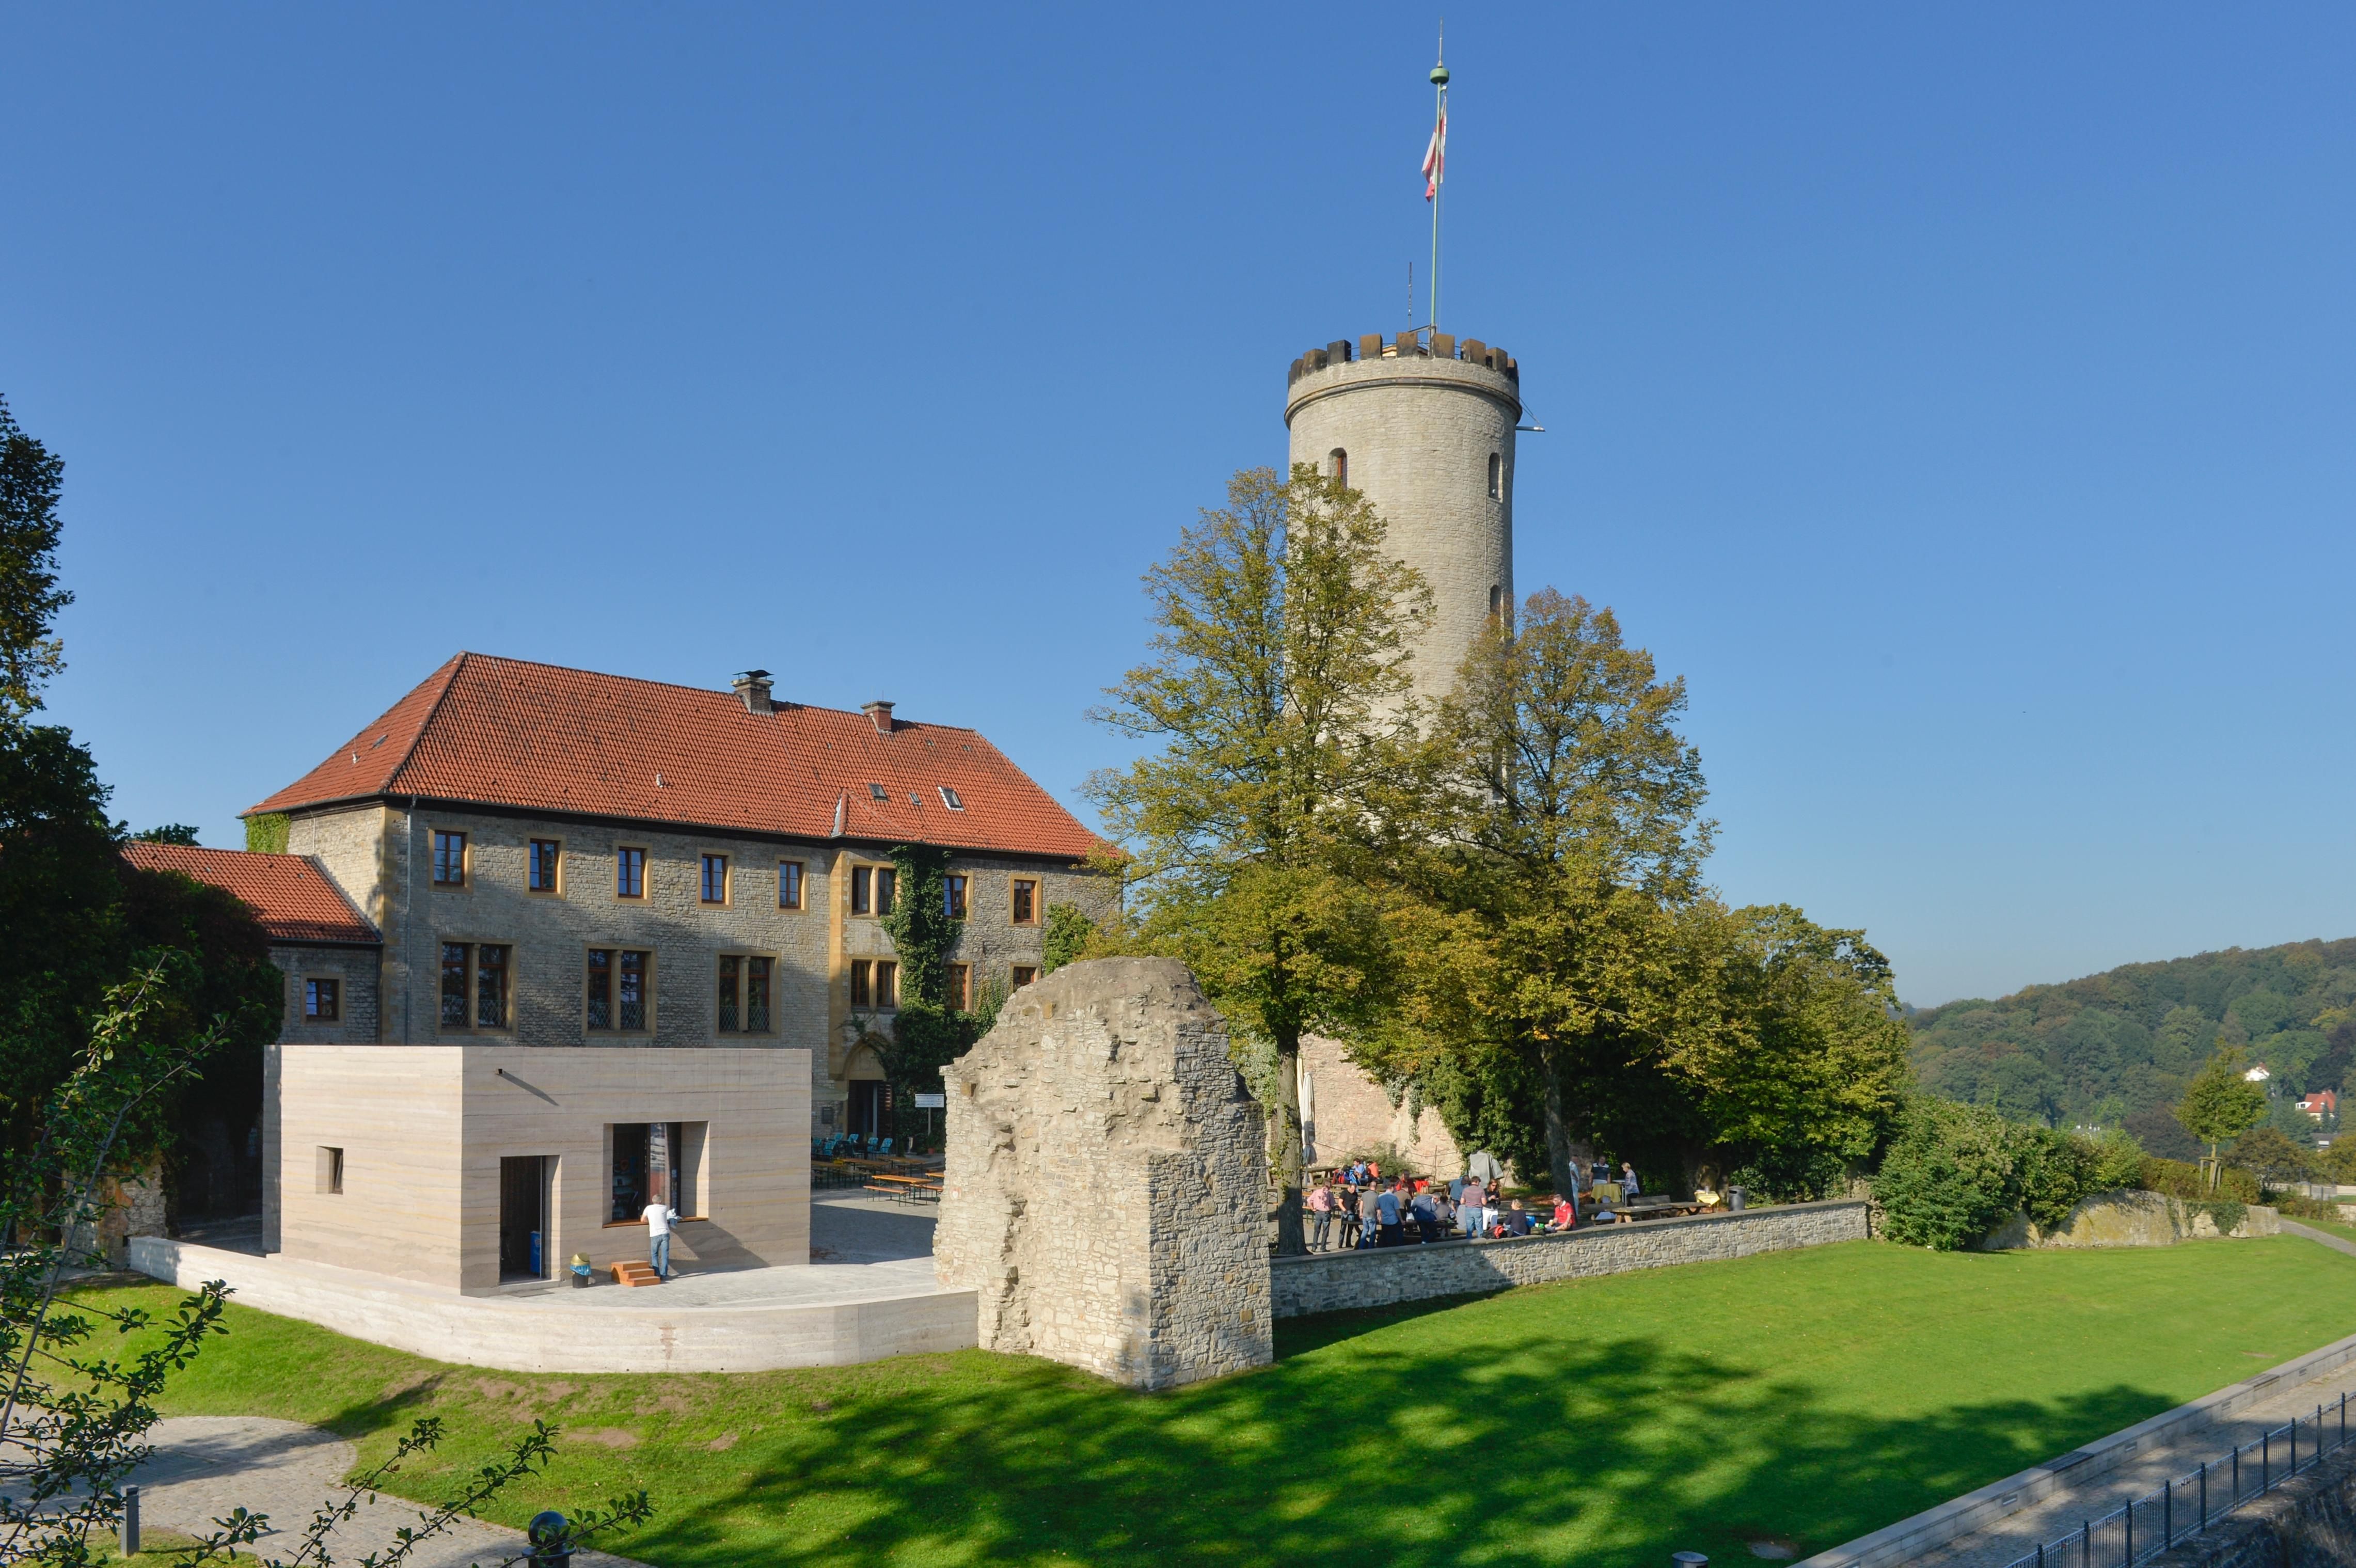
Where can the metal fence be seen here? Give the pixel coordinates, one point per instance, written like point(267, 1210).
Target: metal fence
point(2185, 1506)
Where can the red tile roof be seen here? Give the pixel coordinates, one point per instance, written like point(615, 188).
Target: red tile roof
point(296, 900)
point(496, 731)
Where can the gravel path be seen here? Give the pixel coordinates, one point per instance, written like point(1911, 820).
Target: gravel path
point(206, 1465)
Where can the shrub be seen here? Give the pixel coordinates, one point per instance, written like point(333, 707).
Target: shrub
point(1949, 1178)
point(2177, 1179)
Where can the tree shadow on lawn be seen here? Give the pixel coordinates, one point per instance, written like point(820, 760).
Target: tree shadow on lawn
point(1496, 1451)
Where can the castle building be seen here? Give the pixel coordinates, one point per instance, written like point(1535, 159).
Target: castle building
point(629, 937)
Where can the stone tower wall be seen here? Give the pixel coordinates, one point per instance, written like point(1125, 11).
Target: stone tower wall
point(1106, 1189)
point(1419, 420)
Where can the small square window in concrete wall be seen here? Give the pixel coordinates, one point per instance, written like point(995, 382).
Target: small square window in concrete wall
point(331, 1170)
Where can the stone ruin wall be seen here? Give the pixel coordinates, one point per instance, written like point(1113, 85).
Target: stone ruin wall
point(1346, 1113)
point(1105, 1193)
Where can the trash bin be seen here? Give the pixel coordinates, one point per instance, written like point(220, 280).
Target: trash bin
point(1735, 1200)
point(579, 1268)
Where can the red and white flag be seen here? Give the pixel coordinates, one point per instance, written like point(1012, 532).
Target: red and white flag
point(1435, 157)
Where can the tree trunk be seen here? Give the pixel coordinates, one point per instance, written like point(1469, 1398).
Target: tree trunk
point(1559, 1153)
point(1284, 1148)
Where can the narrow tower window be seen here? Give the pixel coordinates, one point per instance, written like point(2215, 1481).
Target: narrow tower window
point(1496, 600)
point(1496, 477)
point(1337, 464)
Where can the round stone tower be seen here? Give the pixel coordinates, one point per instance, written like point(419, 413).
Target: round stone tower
point(1424, 426)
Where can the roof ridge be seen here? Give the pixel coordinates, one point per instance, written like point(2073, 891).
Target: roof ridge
point(707, 691)
point(409, 753)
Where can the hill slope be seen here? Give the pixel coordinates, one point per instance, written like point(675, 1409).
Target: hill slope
point(2117, 1047)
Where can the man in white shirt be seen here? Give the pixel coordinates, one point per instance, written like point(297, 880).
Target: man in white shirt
point(659, 1217)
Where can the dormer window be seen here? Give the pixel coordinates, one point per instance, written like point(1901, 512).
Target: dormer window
point(949, 798)
point(877, 792)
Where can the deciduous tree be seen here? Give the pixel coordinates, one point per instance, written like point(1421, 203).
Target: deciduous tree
point(1278, 702)
point(2219, 1105)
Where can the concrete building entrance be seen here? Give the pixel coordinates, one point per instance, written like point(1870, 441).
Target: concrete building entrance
point(523, 1217)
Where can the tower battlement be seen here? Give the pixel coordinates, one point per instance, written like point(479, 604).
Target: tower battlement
point(1408, 345)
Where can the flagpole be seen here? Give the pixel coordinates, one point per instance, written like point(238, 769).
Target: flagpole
point(1440, 174)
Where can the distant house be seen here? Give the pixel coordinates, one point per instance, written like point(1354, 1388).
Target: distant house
point(2259, 1073)
point(2323, 1103)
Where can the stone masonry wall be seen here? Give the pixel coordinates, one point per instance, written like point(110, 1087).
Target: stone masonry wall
point(1105, 1194)
point(1347, 1112)
point(1379, 1277)
point(2128, 1220)
point(356, 970)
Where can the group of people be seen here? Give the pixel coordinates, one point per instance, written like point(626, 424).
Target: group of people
point(1357, 1205)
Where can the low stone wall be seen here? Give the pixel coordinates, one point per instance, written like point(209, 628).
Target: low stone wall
point(1380, 1277)
point(2129, 1220)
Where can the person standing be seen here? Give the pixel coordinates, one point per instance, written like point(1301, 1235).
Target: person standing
point(1426, 1218)
point(1628, 1187)
point(1321, 1215)
point(661, 1217)
point(1388, 1214)
point(1471, 1206)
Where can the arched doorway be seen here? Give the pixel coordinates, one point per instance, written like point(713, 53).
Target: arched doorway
point(871, 1097)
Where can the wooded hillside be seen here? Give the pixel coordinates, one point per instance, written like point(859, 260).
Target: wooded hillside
point(2115, 1048)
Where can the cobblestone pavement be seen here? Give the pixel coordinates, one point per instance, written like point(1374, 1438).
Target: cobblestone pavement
point(205, 1466)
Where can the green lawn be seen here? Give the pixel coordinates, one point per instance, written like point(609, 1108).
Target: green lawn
point(1807, 1396)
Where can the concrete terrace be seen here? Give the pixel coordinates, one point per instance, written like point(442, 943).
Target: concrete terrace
point(868, 1293)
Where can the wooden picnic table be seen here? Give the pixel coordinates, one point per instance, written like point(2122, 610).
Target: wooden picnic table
point(909, 1187)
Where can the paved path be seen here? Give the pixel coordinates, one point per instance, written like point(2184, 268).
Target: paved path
point(205, 1466)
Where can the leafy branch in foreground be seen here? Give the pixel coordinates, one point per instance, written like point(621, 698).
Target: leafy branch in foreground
point(75, 1422)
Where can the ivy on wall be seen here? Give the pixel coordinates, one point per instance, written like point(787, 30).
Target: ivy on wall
point(266, 833)
point(928, 1034)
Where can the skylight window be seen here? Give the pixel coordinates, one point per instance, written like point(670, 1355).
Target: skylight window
point(878, 792)
point(949, 798)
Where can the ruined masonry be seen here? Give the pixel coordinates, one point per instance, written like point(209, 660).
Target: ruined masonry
point(1105, 1194)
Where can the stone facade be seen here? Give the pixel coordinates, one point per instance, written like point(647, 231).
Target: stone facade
point(1380, 1277)
point(2129, 1220)
point(354, 970)
point(382, 858)
point(1345, 1112)
point(1105, 1194)
point(1421, 425)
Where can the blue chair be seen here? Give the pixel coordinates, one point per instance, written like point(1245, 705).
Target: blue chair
point(885, 1152)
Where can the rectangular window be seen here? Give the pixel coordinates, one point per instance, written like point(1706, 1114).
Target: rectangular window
point(960, 985)
point(862, 889)
point(862, 976)
point(323, 1001)
point(455, 956)
point(887, 888)
point(601, 988)
point(475, 986)
point(638, 990)
point(629, 1181)
point(1026, 901)
point(1023, 973)
point(789, 884)
point(630, 873)
point(540, 870)
point(715, 879)
point(330, 1170)
point(887, 984)
point(953, 896)
point(618, 989)
point(449, 859)
point(655, 1161)
point(744, 1000)
point(949, 798)
point(491, 986)
point(756, 994)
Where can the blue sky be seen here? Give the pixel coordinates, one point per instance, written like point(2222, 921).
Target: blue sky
point(1958, 398)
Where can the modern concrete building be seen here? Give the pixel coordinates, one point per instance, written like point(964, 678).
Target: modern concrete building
point(632, 938)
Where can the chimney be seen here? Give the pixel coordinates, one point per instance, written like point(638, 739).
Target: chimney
point(752, 686)
point(878, 713)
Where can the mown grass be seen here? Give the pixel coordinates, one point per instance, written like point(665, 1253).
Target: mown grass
point(1806, 1397)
